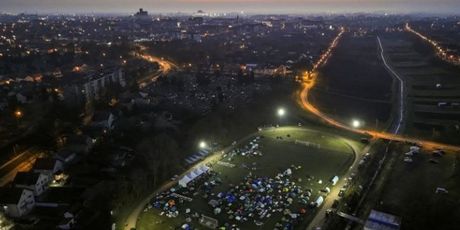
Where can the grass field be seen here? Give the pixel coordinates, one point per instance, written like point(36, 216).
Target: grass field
point(354, 84)
point(410, 191)
point(425, 118)
point(282, 148)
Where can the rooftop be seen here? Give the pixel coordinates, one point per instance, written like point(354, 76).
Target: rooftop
point(26, 178)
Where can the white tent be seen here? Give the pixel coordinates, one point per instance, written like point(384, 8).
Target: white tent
point(203, 152)
point(334, 180)
point(319, 201)
point(184, 181)
point(198, 171)
point(204, 168)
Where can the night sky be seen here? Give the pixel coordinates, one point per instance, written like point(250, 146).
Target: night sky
point(249, 6)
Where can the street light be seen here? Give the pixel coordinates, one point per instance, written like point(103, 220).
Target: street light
point(18, 114)
point(356, 123)
point(281, 112)
point(202, 145)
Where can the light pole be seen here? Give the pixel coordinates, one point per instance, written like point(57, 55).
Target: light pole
point(356, 123)
point(202, 145)
point(18, 114)
point(281, 112)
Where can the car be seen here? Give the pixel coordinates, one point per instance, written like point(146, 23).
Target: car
point(341, 193)
point(365, 141)
point(174, 177)
point(326, 190)
point(408, 160)
point(329, 212)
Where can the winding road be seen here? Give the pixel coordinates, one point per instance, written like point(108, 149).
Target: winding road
point(165, 67)
point(309, 81)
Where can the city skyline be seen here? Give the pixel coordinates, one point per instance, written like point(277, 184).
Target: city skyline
point(221, 6)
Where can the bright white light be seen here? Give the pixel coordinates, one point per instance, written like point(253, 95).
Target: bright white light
point(203, 144)
point(356, 124)
point(281, 112)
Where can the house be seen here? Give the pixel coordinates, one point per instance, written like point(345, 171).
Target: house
point(36, 182)
point(16, 202)
point(65, 156)
point(103, 120)
point(67, 223)
point(23, 99)
point(76, 143)
point(70, 217)
point(79, 143)
point(60, 197)
point(48, 166)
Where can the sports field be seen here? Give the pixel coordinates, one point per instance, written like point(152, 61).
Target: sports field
point(267, 183)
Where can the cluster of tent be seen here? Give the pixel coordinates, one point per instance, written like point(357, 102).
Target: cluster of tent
point(413, 150)
point(258, 198)
point(197, 156)
point(192, 175)
point(252, 149)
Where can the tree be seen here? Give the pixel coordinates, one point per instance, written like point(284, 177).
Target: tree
point(160, 155)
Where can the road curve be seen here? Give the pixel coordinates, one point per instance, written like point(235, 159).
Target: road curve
point(309, 81)
point(165, 67)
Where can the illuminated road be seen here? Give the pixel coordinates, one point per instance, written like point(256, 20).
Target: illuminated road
point(440, 51)
point(165, 67)
point(401, 89)
point(321, 216)
point(309, 81)
point(22, 162)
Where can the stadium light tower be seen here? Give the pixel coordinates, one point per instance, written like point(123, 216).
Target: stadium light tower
point(356, 123)
point(202, 145)
point(281, 112)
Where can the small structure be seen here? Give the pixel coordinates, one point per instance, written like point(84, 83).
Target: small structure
point(16, 202)
point(209, 222)
point(334, 180)
point(48, 166)
point(382, 221)
point(36, 182)
point(441, 190)
point(415, 149)
point(319, 201)
point(193, 175)
point(69, 217)
point(65, 156)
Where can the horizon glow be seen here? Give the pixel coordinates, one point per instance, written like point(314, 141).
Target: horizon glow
point(248, 6)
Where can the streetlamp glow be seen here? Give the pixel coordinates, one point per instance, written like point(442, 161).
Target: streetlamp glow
point(202, 145)
point(356, 123)
point(18, 113)
point(281, 112)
